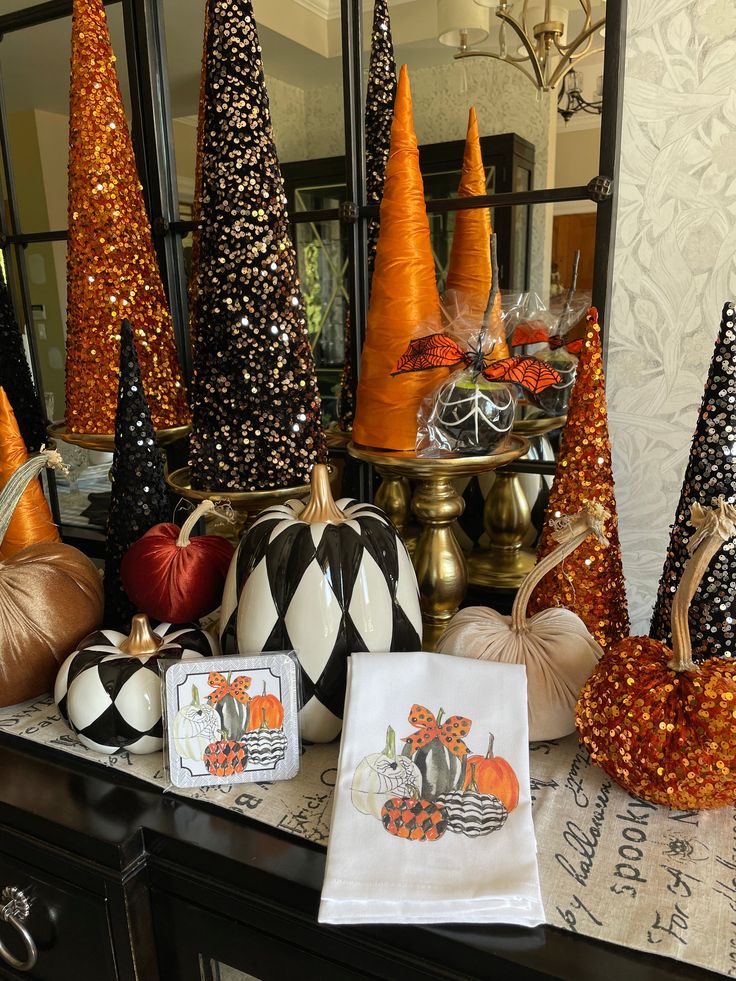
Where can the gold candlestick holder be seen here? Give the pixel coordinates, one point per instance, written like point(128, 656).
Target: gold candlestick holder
point(505, 563)
point(439, 562)
point(246, 505)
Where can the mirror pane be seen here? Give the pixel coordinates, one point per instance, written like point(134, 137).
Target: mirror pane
point(302, 59)
point(37, 105)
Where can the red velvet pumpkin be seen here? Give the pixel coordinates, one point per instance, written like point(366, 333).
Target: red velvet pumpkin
point(173, 577)
point(493, 775)
point(264, 711)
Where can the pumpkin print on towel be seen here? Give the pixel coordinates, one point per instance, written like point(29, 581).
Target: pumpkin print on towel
point(435, 786)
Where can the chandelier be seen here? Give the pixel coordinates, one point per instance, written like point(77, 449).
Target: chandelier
point(571, 98)
point(533, 37)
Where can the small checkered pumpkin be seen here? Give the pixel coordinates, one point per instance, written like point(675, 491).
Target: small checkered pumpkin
point(414, 818)
point(226, 757)
point(325, 579)
point(109, 690)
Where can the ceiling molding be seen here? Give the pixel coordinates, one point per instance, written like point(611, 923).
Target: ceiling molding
point(330, 9)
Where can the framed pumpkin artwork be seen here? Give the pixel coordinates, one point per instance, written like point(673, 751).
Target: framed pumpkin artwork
point(232, 719)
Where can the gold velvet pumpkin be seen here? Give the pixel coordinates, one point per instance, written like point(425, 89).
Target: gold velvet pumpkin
point(50, 597)
point(658, 724)
point(554, 645)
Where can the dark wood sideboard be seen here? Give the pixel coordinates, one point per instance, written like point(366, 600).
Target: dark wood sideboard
point(128, 883)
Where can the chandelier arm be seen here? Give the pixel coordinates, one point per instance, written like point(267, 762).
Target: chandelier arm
point(504, 61)
point(568, 54)
point(582, 37)
point(533, 57)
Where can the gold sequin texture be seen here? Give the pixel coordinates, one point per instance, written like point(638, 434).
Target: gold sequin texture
point(590, 582)
point(112, 271)
point(668, 738)
point(379, 114)
point(711, 473)
point(255, 403)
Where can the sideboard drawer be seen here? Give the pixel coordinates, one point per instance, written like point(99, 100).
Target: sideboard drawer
point(68, 925)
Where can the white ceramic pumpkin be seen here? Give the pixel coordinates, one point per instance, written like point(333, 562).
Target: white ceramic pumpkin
point(554, 645)
point(195, 727)
point(382, 775)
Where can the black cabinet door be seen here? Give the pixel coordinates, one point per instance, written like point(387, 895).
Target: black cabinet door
point(69, 927)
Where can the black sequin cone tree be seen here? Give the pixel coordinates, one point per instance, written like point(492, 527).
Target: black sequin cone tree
point(379, 114)
point(255, 401)
point(138, 500)
point(710, 473)
point(15, 376)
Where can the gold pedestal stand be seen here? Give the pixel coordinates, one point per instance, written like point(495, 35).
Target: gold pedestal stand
point(105, 442)
point(440, 565)
point(246, 505)
point(506, 519)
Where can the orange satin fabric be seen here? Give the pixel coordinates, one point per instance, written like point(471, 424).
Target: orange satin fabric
point(31, 523)
point(469, 271)
point(403, 296)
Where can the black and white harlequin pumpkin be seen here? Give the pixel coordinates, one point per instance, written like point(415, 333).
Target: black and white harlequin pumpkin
point(109, 690)
point(324, 579)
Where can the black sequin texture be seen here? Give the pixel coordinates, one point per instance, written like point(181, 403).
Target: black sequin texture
point(256, 418)
point(138, 498)
point(15, 376)
point(379, 114)
point(711, 472)
point(346, 399)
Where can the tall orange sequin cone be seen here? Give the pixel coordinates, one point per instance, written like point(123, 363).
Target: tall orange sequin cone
point(403, 296)
point(590, 582)
point(469, 271)
point(31, 522)
point(112, 272)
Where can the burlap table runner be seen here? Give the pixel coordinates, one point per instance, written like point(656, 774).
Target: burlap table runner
point(611, 866)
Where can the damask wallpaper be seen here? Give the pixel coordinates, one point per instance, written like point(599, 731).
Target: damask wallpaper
point(674, 261)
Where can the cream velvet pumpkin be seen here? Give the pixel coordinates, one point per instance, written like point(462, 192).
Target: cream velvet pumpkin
point(555, 646)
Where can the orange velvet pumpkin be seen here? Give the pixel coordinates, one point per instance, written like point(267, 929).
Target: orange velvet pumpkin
point(264, 711)
point(659, 725)
point(50, 598)
point(493, 775)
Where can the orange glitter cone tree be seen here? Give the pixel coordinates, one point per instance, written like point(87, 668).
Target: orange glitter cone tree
point(590, 582)
point(31, 522)
point(112, 270)
point(469, 271)
point(403, 296)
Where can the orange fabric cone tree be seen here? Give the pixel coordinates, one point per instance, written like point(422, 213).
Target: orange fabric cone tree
point(591, 581)
point(469, 270)
point(112, 271)
point(31, 522)
point(403, 296)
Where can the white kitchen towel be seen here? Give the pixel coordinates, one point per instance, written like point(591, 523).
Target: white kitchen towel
point(405, 846)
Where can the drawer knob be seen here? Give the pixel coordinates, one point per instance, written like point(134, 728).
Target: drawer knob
point(15, 908)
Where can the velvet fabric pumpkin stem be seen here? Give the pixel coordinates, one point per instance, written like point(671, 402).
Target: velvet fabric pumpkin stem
point(13, 490)
point(321, 505)
point(570, 533)
point(712, 529)
point(203, 508)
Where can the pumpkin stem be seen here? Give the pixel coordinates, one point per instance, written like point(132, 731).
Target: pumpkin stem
point(195, 696)
point(20, 479)
point(489, 751)
point(321, 505)
point(439, 715)
point(569, 531)
point(390, 747)
point(713, 527)
point(473, 786)
point(264, 724)
point(186, 529)
point(141, 640)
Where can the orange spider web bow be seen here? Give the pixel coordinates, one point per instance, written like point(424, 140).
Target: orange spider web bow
point(538, 333)
point(238, 688)
point(451, 732)
point(443, 351)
